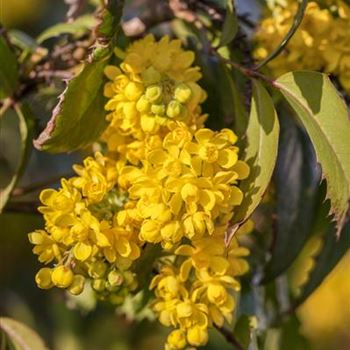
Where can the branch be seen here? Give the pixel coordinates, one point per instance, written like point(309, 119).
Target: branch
point(296, 23)
point(230, 338)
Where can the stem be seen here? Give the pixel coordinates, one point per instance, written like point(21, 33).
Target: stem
point(249, 72)
point(296, 23)
point(230, 338)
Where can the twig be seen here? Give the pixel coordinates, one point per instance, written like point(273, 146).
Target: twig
point(296, 23)
point(248, 72)
point(230, 338)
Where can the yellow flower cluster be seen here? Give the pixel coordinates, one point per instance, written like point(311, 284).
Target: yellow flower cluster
point(321, 43)
point(82, 236)
point(154, 85)
point(165, 180)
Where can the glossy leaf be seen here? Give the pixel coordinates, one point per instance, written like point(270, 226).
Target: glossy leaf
point(77, 28)
point(325, 117)
point(240, 115)
point(8, 69)
point(21, 336)
point(26, 126)
point(78, 119)
point(296, 179)
point(230, 27)
point(260, 152)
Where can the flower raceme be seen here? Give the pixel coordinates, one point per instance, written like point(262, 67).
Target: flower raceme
point(154, 85)
point(165, 181)
point(321, 42)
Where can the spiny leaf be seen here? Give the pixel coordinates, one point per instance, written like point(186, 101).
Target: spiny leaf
point(261, 151)
point(20, 335)
point(8, 70)
point(26, 126)
point(78, 119)
point(230, 27)
point(323, 113)
point(77, 28)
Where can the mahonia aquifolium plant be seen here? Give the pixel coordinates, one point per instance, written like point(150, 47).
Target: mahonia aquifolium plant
point(165, 180)
point(321, 42)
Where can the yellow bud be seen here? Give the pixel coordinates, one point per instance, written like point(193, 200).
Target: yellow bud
point(176, 339)
point(183, 93)
point(98, 285)
point(115, 278)
point(133, 91)
point(217, 294)
point(197, 336)
point(43, 278)
point(153, 93)
point(143, 104)
point(97, 269)
point(174, 109)
point(62, 276)
point(158, 109)
point(77, 285)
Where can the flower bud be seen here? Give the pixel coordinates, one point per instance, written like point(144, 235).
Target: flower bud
point(176, 339)
point(62, 276)
point(115, 278)
point(143, 104)
point(183, 93)
point(154, 93)
point(97, 269)
point(77, 285)
point(43, 278)
point(174, 109)
point(99, 285)
point(133, 91)
point(158, 109)
point(197, 336)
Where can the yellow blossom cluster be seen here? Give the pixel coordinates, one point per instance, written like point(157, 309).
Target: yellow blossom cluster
point(82, 237)
point(165, 181)
point(321, 42)
point(154, 85)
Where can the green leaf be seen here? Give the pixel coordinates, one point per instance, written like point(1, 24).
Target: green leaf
point(296, 178)
point(8, 70)
point(230, 27)
point(26, 127)
point(78, 119)
point(260, 152)
point(21, 336)
point(242, 331)
point(77, 28)
point(325, 117)
point(240, 115)
point(333, 250)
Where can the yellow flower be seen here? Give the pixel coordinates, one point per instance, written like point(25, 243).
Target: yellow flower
point(154, 85)
point(176, 191)
point(321, 41)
